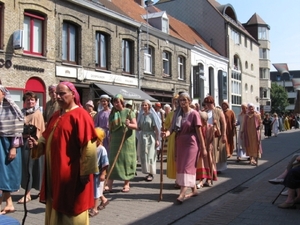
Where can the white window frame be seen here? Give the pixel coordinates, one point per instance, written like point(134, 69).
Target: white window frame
point(166, 63)
point(33, 28)
point(236, 37)
point(236, 88)
point(126, 56)
point(148, 60)
point(69, 42)
point(263, 53)
point(101, 47)
point(181, 67)
point(263, 33)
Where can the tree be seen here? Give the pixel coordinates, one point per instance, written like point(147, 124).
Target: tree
point(279, 98)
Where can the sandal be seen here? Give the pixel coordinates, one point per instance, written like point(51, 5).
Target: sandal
point(125, 189)
point(149, 178)
point(207, 184)
point(93, 213)
point(102, 205)
point(199, 186)
point(21, 201)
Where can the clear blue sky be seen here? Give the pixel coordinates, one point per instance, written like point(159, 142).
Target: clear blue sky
point(284, 19)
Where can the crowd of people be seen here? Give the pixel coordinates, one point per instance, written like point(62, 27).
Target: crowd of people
point(72, 155)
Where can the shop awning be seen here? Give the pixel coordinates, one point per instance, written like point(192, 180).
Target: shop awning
point(128, 93)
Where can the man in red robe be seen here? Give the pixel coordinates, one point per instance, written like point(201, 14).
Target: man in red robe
point(230, 128)
point(67, 187)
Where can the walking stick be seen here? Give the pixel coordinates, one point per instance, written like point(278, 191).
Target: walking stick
point(161, 161)
point(236, 142)
point(259, 143)
point(213, 151)
point(31, 132)
point(118, 152)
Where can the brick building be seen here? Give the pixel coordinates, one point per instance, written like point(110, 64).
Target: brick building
point(27, 47)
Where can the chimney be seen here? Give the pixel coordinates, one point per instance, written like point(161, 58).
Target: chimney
point(140, 2)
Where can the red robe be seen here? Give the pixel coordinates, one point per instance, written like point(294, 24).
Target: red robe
point(74, 129)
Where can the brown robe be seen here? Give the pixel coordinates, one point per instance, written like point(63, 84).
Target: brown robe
point(230, 130)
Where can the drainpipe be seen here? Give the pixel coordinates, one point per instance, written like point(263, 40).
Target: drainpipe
point(138, 57)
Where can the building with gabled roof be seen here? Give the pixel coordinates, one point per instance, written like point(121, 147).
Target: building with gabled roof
point(219, 26)
point(180, 35)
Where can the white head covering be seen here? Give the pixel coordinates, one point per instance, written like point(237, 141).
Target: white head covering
point(100, 107)
point(156, 118)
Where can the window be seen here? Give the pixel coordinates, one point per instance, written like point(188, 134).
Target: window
point(263, 33)
point(70, 43)
point(165, 25)
point(181, 68)
point(265, 93)
point(127, 56)
point(236, 37)
point(166, 63)
point(246, 88)
point(246, 64)
point(264, 73)
point(148, 60)
point(246, 40)
point(236, 90)
point(33, 33)
point(101, 50)
point(251, 45)
point(263, 53)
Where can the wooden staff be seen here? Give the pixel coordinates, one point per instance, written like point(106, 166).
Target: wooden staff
point(259, 143)
point(161, 159)
point(31, 133)
point(213, 151)
point(118, 152)
point(236, 142)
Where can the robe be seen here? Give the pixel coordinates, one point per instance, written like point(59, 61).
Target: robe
point(69, 154)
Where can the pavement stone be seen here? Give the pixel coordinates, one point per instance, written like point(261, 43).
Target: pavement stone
point(242, 195)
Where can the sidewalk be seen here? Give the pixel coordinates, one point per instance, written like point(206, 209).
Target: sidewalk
point(241, 195)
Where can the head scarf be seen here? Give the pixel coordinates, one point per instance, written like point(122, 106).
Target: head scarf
point(52, 87)
point(176, 122)
point(156, 118)
point(11, 119)
point(115, 116)
point(72, 88)
point(100, 107)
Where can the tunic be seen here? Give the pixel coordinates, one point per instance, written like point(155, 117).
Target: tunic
point(219, 147)
point(101, 120)
point(10, 171)
point(251, 136)
point(171, 164)
point(187, 149)
point(125, 166)
point(268, 127)
point(241, 150)
point(275, 126)
point(69, 154)
point(147, 144)
point(36, 166)
point(206, 167)
point(230, 130)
